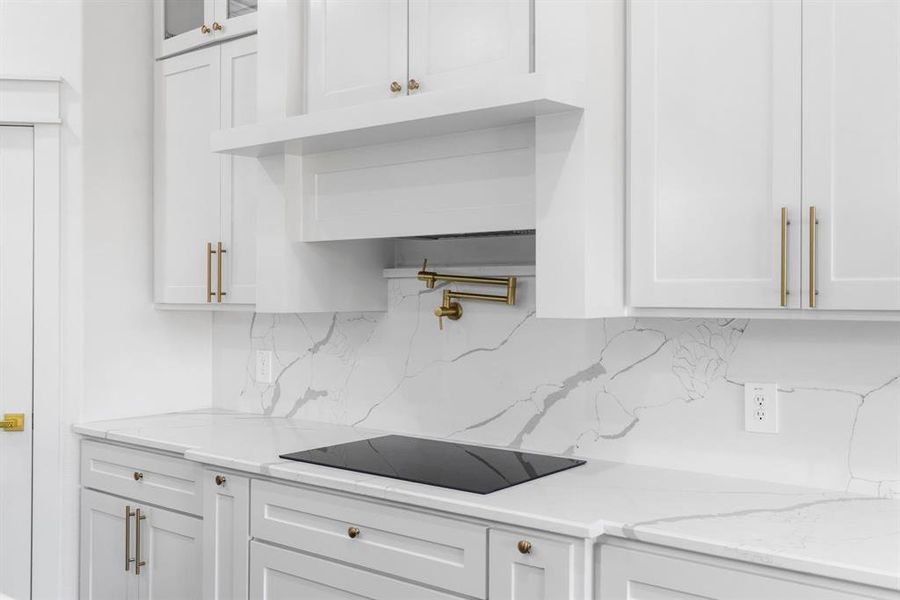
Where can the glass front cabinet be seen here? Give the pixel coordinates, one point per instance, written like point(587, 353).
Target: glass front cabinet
point(181, 25)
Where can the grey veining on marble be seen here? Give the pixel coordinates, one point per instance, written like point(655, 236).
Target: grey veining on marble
point(824, 532)
point(659, 392)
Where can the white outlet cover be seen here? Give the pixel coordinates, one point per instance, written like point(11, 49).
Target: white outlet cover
point(264, 366)
point(761, 407)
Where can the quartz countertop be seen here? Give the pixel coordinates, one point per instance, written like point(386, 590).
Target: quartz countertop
point(823, 532)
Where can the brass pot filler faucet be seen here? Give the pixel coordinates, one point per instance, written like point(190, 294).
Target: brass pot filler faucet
point(453, 310)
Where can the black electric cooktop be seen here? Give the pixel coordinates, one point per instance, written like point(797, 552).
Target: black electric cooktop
point(444, 464)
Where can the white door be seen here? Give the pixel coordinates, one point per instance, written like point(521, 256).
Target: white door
point(357, 50)
point(186, 175)
point(714, 154)
point(107, 570)
point(171, 544)
point(226, 536)
point(16, 271)
point(851, 151)
point(544, 571)
point(454, 43)
point(239, 184)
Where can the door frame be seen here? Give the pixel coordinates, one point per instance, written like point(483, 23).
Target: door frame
point(35, 101)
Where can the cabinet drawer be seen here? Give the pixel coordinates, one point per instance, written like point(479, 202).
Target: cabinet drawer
point(525, 566)
point(279, 574)
point(422, 547)
point(144, 476)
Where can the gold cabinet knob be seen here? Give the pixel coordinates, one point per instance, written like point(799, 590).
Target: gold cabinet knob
point(220, 480)
point(524, 546)
point(396, 87)
point(138, 475)
point(353, 532)
point(204, 29)
point(216, 26)
point(413, 84)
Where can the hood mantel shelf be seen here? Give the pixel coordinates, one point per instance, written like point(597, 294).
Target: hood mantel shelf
point(427, 114)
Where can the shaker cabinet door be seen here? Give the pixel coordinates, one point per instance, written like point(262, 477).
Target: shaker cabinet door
point(851, 153)
point(357, 49)
point(186, 174)
point(545, 569)
point(455, 43)
point(714, 151)
point(104, 550)
point(171, 544)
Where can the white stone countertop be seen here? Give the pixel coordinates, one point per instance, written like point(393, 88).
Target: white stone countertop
point(823, 532)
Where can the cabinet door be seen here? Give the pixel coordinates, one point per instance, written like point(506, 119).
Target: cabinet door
point(236, 17)
point(356, 49)
point(637, 575)
point(545, 571)
point(186, 174)
point(226, 536)
point(171, 546)
point(851, 151)
point(179, 25)
point(279, 574)
point(103, 548)
point(454, 43)
point(714, 125)
point(239, 183)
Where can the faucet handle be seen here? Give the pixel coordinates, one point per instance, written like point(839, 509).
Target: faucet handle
point(449, 309)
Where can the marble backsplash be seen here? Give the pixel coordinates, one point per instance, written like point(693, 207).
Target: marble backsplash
point(661, 392)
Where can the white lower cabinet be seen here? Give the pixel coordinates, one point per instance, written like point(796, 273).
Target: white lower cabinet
point(226, 536)
point(525, 566)
point(133, 551)
point(645, 572)
point(279, 574)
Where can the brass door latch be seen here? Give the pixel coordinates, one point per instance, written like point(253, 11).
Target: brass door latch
point(13, 422)
point(453, 310)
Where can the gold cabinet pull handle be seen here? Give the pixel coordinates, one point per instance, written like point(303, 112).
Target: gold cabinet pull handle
point(396, 87)
point(524, 546)
point(204, 29)
point(219, 252)
point(413, 85)
point(209, 253)
point(138, 563)
point(785, 222)
point(353, 532)
point(220, 480)
point(813, 222)
point(216, 26)
point(137, 475)
point(128, 559)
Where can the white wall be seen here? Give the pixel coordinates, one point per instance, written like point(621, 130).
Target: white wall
point(120, 355)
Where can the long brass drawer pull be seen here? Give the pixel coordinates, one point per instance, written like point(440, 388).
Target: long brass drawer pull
point(209, 253)
point(138, 563)
point(813, 223)
point(219, 252)
point(128, 559)
point(785, 222)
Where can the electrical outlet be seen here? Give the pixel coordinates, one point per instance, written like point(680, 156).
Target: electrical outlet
point(761, 407)
point(263, 366)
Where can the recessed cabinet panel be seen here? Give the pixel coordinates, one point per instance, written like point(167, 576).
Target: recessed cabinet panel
point(239, 173)
point(357, 48)
point(455, 43)
point(851, 151)
point(226, 536)
point(545, 568)
point(172, 546)
point(714, 152)
point(103, 574)
point(186, 174)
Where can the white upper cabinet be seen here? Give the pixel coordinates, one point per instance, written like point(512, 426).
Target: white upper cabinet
point(714, 152)
point(367, 50)
point(851, 152)
point(202, 199)
point(181, 25)
point(357, 52)
point(455, 43)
